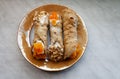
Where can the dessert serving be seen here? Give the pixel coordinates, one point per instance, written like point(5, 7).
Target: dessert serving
point(56, 48)
point(52, 37)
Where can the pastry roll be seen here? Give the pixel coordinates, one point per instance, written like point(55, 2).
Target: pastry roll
point(70, 20)
point(55, 49)
point(40, 35)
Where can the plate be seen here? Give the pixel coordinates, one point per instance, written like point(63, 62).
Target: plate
point(24, 33)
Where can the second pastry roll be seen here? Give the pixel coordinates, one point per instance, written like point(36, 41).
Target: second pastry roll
point(55, 50)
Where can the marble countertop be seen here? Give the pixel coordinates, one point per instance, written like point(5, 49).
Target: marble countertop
point(101, 59)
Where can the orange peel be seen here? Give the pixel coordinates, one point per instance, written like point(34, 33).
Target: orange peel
point(38, 48)
point(75, 53)
point(54, 17)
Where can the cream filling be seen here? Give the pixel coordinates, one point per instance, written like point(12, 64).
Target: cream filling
point(56, 29)
point(43, 19)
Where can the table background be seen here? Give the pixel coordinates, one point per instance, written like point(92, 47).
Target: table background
point(101, 59)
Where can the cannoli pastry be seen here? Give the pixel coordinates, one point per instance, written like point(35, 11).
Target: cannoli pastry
point(55, 49)
point(70, 20)
point(39, 47)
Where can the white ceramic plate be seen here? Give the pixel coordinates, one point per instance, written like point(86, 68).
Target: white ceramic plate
point(24, 32)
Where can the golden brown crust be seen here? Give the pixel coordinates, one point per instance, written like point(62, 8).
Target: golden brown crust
point(70, 20)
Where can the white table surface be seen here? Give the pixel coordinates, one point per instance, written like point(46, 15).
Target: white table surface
point(101, 59)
